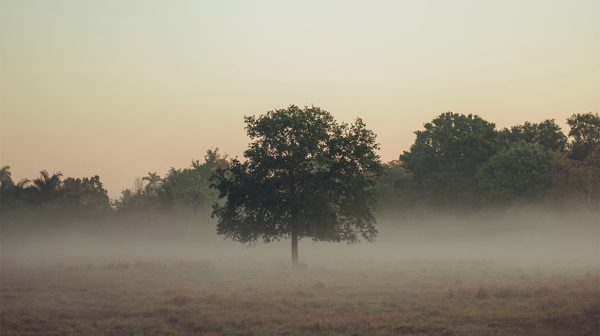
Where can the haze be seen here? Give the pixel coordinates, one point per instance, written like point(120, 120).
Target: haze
point(531, 236)
point(116, 88)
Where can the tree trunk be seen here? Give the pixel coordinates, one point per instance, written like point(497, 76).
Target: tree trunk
point(295, 262)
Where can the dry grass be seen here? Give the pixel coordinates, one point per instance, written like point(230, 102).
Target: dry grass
point(418, 298)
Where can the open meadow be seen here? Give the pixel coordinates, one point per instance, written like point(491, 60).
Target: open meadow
point(521, 272)
point(412, 297)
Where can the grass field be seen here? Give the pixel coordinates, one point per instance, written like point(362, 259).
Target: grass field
point(412, 297)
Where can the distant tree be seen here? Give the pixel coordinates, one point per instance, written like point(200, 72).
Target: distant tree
point(447, 154)
point(7, 189)
point(546, 134)
point(125, 200)
point(69, 197)
point(304, 175)
point(550, 136)
point(591, 168)
point(521, 172)
point(47, 186)
point(578, 180)
point(24, 194)
point(395, 186)
point(153, 185)
point(6, 177)
point(585, 134)
point(85, 194)
point(138, 200)
point(190, 187)
point(138, 185)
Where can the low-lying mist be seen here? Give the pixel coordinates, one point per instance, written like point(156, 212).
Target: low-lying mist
point(522, 235)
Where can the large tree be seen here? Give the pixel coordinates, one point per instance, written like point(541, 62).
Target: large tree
point(47, 186)
point(447, 154)
point(190, 187)
point(6, 177)
point(521, 172)
point(585, 132)
point(153, 185)
point(546, 134)
point(304, 175)
point(85, 194)
point(7, 189)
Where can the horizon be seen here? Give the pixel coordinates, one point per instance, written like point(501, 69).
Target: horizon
point(94, 90)
point(116, 193)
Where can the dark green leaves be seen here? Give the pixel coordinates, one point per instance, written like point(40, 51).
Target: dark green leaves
point(585, 131)
point(521, 172)
point(447, 154)
point(302, 169)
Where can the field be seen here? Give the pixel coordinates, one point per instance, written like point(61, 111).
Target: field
point(411, 297)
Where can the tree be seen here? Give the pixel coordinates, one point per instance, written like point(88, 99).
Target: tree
point(304, 175)
point(47, 185)
point(395, 186)
point(520, 172)
point(86, 194)
point(153, 180)
point(550, 136)
point(578, 180)
point(14, 196)
point(591, 168)
point(7, 189)
point(547, 134)
point(447, 154)
point(585, 134)
point(6, 178)
point(190, 187)
point(138, 200)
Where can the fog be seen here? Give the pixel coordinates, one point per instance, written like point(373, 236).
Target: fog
point(529, 236)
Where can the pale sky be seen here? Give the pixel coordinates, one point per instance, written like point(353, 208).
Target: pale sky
point(119, 88)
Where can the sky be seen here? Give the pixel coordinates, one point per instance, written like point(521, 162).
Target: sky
point(122, 88)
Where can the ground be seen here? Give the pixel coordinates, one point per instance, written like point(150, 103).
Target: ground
point(413, 297)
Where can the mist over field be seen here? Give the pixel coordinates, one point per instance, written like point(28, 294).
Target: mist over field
point(519, 270)
point(521, 235)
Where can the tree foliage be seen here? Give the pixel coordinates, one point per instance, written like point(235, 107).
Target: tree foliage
point(190, 187)
point(463, 159)
point(304, 175)
point(546, 134)
point(521, 172)
point(446, 155)
point(51, 193)
point(585, 131)
point(577, 181)
point(304, 170)
point(86, 193)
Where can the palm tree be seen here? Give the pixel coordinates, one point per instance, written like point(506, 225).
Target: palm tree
point(5, 177)
point(153, 181)
point(22, 184)
point(47, 184)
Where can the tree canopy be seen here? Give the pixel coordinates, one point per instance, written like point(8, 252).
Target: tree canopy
point(585, 131)
point(546, 134)
point(190, 187)
point(447, 153)
point(304, 175)
point(51, 193)
point(522, 171)
point(463, 160)
point(307, 172)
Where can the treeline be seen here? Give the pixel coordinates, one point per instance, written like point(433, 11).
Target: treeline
point(182, 192)
point(456, 161)
point(464, 161)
